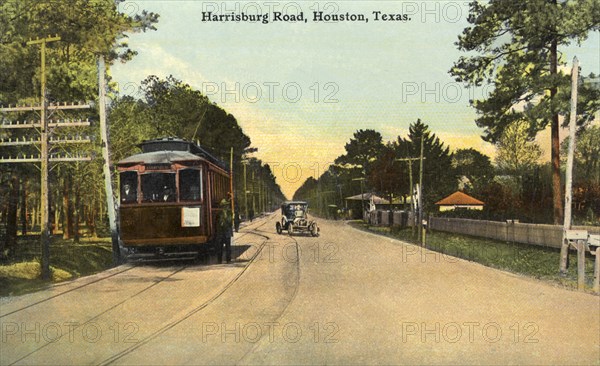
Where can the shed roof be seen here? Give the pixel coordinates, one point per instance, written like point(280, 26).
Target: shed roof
point(459, 198)
point(367, 197)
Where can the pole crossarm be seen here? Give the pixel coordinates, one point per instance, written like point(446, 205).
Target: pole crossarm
point(38, 159)
point(44, 40)
point(49, 107)
point(30, 124)
point(44, 128)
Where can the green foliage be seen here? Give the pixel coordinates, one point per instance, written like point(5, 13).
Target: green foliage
point(389, 176)
point(170, 107)
point(587, 154)
point(439, 179)
point(362, 150)
point(516, 152)
point(586, 175)
point(510, 45)
point(475, 167)
point(87, 29)
point(514, 45)
point(367, 157)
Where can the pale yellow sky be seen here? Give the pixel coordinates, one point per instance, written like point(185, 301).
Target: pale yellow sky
point(300, 90)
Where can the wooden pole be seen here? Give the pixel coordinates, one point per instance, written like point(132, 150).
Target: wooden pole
point(421, 187)
point(45, 211)
point(231, 189)
point(110, 202)
point(597, 271)
point(245, 191)
point(564, 250)
point(580, 264)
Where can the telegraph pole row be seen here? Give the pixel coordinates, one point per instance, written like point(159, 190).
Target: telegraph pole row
point(44, 142)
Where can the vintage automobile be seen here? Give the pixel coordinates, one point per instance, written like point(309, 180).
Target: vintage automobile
point(294, 219)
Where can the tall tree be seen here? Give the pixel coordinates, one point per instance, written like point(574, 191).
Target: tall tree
point(474, 166)
point(516, 152)
point(86, 29)
point(516, 46)
point(389, 176)
point(362, 150)
point(438, 176)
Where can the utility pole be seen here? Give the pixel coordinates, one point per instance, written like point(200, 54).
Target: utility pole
point(44, 159)
point(421, 189)
point(45, 234)
point(253, 193)
point(362, 196)
point(110, 202)
point(231, 189)
point(412, 191)
point(245, 162)
point(564, 250)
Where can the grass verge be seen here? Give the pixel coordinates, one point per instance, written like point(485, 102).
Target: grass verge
point(529, 260)
point(20, 274)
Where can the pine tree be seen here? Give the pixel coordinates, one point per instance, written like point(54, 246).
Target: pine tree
point(517, 49)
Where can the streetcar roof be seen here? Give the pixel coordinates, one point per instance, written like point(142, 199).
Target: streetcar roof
point(160, 157)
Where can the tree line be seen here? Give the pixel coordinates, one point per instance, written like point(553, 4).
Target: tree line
point(515, 46)
point(514, 185)
point(160, 108)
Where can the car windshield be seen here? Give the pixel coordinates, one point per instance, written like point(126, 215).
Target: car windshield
point(292, 211)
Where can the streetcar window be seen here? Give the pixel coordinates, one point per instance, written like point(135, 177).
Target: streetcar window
point(129, 184)
point(190, 185)
point(158, 187)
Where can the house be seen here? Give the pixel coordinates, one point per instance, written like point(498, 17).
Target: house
point(369, 201)
point(459, 199)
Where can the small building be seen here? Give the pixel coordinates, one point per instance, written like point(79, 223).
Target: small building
point(369, 201)
point(459, 199)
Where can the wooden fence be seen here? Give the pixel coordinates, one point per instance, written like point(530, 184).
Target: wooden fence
point(534, 234)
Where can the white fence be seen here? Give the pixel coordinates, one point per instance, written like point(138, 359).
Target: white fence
point(535, 234)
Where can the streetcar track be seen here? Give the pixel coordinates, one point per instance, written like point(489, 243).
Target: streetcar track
point(284, 310)
point(251, 231)
point(68, 291)
point(114, 306)
point(131, 266)
point(104, 312)
point(190, 313)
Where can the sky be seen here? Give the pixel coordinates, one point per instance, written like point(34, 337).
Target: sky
point(301, 89)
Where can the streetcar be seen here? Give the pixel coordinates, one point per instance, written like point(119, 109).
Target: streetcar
point(170, 198)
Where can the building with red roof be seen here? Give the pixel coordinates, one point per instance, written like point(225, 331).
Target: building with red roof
point(459, 199)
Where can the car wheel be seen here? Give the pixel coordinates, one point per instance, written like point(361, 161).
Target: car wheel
point(314, 230)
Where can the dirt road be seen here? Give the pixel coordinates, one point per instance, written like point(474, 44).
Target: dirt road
point(346, 297)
